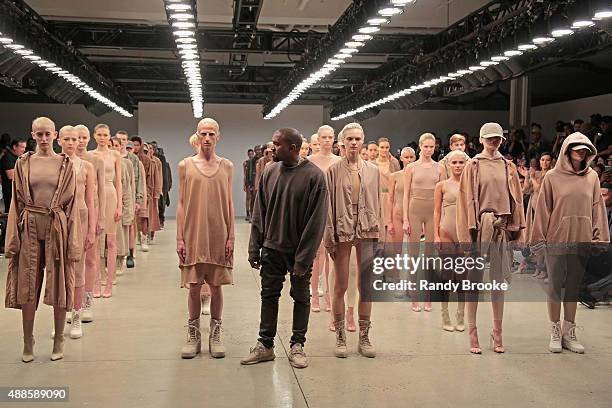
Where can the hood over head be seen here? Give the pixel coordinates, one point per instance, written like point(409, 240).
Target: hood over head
point(563, 162)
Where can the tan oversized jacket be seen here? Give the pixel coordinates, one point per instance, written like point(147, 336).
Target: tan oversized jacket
point(128, 190)
point(340, 226)
point(569, 208)
point(63, 241)
point(468, 207)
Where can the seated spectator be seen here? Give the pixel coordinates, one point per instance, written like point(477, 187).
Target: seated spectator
point(537, 144)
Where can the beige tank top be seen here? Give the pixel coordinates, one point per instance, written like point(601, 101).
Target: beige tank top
point(206, 202)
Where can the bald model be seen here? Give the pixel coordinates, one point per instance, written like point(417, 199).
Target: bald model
point(92, 264)
point(323, 160)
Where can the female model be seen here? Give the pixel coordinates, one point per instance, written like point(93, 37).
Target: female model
point(569, 217)
point(445, 232)
point(490, 213)
point(354, 219)
point(43, 236)
point(420, 179)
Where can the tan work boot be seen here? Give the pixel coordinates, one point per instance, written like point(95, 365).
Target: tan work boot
point(569, 340)
point(215, 343)
point(194, 339)
point(365, 348)
point(297, 357)
point(341, 351)
point(259, 354)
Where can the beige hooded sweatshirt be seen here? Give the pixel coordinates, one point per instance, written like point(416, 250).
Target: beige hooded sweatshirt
point(570, 208)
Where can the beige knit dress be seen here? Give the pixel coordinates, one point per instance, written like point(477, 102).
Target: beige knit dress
point(207, 206)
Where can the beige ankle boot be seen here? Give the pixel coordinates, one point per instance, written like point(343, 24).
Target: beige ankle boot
point(215, 343)
point(28, 341)
point(365, 348)
point(460, 326)
point(446, 321)
point(58, 338)
point(194, 339)
point(341, 350)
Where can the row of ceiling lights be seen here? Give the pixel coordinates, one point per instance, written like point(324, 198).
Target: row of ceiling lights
point(29, 55)
point(538, 41)
point(364, 34)
point(183, 21)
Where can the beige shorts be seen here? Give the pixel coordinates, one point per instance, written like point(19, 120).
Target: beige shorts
point(198, 274)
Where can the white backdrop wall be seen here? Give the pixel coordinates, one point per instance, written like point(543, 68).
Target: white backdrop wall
point(242, 127)
point(16, 118)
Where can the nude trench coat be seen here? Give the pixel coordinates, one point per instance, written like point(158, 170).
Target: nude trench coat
point(63, 241)
point(468, 209)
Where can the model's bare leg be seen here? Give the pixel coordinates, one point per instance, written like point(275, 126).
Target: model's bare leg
point(314, 282)
point(111, 263)
point(341, 274)
point(327, 291)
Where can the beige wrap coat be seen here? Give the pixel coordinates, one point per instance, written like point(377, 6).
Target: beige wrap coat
point(63, 241)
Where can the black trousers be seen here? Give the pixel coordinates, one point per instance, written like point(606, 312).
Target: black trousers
point(274, 267)
point(161, 206)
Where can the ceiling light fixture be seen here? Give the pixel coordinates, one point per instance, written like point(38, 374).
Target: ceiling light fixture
point(341, 56)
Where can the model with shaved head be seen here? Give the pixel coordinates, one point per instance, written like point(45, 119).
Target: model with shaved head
point(92, 261)
point(85, 181)
point(205, 235)
point(43, 236)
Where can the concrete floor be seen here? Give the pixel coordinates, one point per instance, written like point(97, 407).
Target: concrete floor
point(129, 357)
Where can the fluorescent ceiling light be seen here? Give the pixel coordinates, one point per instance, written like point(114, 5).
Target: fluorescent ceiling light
point(562, 32)
point(542, 40)
point(602, 15)
point(362, 37)
point(526, 47)
point(349, 50)
point(353, 44)
point(583, 24)
point(183, 24)
point(390, 11)
point(181, 16)
point(377, 21)
point(513, 53)
point(369, 30)
point(183, 33)
point(178, 7)
point(499, 58)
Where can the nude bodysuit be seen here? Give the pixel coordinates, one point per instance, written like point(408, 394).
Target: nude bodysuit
point(44, 178)
point(420, 210)
point(81, 180)
point(110, 193)
point(450, 190)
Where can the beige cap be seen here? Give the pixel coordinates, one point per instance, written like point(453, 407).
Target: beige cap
point(580, 147)
point(491, 129)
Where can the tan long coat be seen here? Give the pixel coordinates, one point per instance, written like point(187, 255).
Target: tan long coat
point(63, 241)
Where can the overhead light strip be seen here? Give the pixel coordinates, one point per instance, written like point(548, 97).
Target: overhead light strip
point(182, 17)
point(541, 41)
point(362, 35)
point(29, 55)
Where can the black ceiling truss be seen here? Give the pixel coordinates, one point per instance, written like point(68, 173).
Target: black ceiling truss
point(353, 17)
point(488, 31)
point(244, 23)
point(24, 25)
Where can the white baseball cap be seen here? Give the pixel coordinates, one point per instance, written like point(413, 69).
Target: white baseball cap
point(491, 129)
point(580, 147)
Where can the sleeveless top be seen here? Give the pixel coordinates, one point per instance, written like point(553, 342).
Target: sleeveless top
point(424, 180)
point(81, 179)
point(450, 191)
point(109, 172)
point(206, 205)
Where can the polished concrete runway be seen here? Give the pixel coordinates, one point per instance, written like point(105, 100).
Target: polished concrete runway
point(129, 357)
